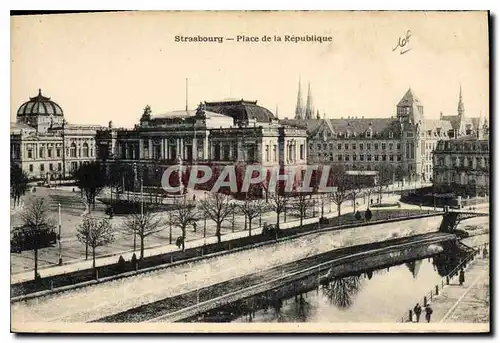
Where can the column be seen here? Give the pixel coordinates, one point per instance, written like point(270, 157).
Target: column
point(166, 149)
point(162, 150)
point(195, 149)
point(150, 148)
point(205, 146)
point(181, 148)
point(141, 148)
point(178, 147)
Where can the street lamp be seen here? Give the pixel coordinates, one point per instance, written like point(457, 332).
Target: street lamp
point(60, 226)
point(142, 202)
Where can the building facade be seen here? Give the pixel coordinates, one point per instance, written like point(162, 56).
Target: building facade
point(462, 165)
point(404, 142)
point(232, 132)
point(44, 145)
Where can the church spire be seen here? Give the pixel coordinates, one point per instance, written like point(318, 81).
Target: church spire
point(461, 108)
point(299, 108)
point(309, 104)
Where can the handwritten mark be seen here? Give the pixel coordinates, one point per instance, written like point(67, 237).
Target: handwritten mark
point(402, 42)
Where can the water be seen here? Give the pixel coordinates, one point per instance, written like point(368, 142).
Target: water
point(383, 295)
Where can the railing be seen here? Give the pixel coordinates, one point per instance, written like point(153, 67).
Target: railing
point(445, 281)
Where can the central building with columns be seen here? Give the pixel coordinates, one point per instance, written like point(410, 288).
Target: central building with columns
point(229, 132)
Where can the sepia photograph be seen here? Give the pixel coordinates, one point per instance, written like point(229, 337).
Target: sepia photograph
point(250, 171)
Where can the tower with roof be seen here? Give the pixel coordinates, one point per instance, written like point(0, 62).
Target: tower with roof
point(299, 108)
point(309, 113)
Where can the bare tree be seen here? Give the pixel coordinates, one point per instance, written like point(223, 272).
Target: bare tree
point(143, 225)
point(91, 179)
point(354, 190)
point(252, 209)
point(279, 203)
point(37, 227)
point(95, 232)
point(301, 204)
point(18, 183)
point(384, 177)
point(340, 195)
point(217, 207)
point(182, 215)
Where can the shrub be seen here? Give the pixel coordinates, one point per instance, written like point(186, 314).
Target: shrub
point(121, 264)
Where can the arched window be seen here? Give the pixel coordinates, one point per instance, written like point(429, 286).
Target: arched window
point(72, 150)
point(85, 150)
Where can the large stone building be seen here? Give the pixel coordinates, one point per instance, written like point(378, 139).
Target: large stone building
point(44, 145)
point(231, 132)
point(462, 165)
point(404, 141)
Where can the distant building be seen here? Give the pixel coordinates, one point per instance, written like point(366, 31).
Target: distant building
point(230, 132)
point(462, 165)
point(44, 145)
point(404, 142)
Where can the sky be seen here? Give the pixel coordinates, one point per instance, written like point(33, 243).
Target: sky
point(101, 67)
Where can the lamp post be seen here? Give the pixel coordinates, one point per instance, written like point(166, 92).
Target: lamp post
point(63, 149)
point(60, 226)
point(169, 227)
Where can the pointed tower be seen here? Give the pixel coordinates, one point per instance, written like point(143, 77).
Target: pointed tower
point(299, 108)
point(309, 104)
point(460, 108)
point(409, 108)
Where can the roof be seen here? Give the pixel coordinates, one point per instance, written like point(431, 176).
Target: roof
point(19, 126)
point(409, 99)
point(40, 105)
point(454, 121)
point(241, 110)
point(431, 124)
point(184, 114)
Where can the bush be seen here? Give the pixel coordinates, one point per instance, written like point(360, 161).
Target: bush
point(121, 264)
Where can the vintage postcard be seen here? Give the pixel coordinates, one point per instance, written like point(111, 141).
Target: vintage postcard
point(250, 172)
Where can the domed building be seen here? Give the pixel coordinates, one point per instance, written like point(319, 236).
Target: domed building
point(44, 145)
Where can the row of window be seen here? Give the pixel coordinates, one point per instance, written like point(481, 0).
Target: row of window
point(42, 167)
point(361, 157)
point(465, 162)
point(51, 166)
point(72, 151)
point(353, 146)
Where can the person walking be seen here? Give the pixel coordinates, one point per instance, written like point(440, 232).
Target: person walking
point(428, 313)
point(461, 277)
point(194, 226)
point(418, 311)
point(485, 252)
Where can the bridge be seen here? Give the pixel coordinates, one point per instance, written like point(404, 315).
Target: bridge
point(452, 218)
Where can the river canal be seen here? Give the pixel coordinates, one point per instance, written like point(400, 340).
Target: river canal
point(382, 295)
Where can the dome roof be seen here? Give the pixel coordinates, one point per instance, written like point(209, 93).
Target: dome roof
point(241, 110)
point(40, 105)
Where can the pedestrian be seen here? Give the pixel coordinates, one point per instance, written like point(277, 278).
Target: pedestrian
point(428, 313)
point(194, 226)
point(418, 311)
point(485, 252)
point(371, 202)
point(461, 277)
